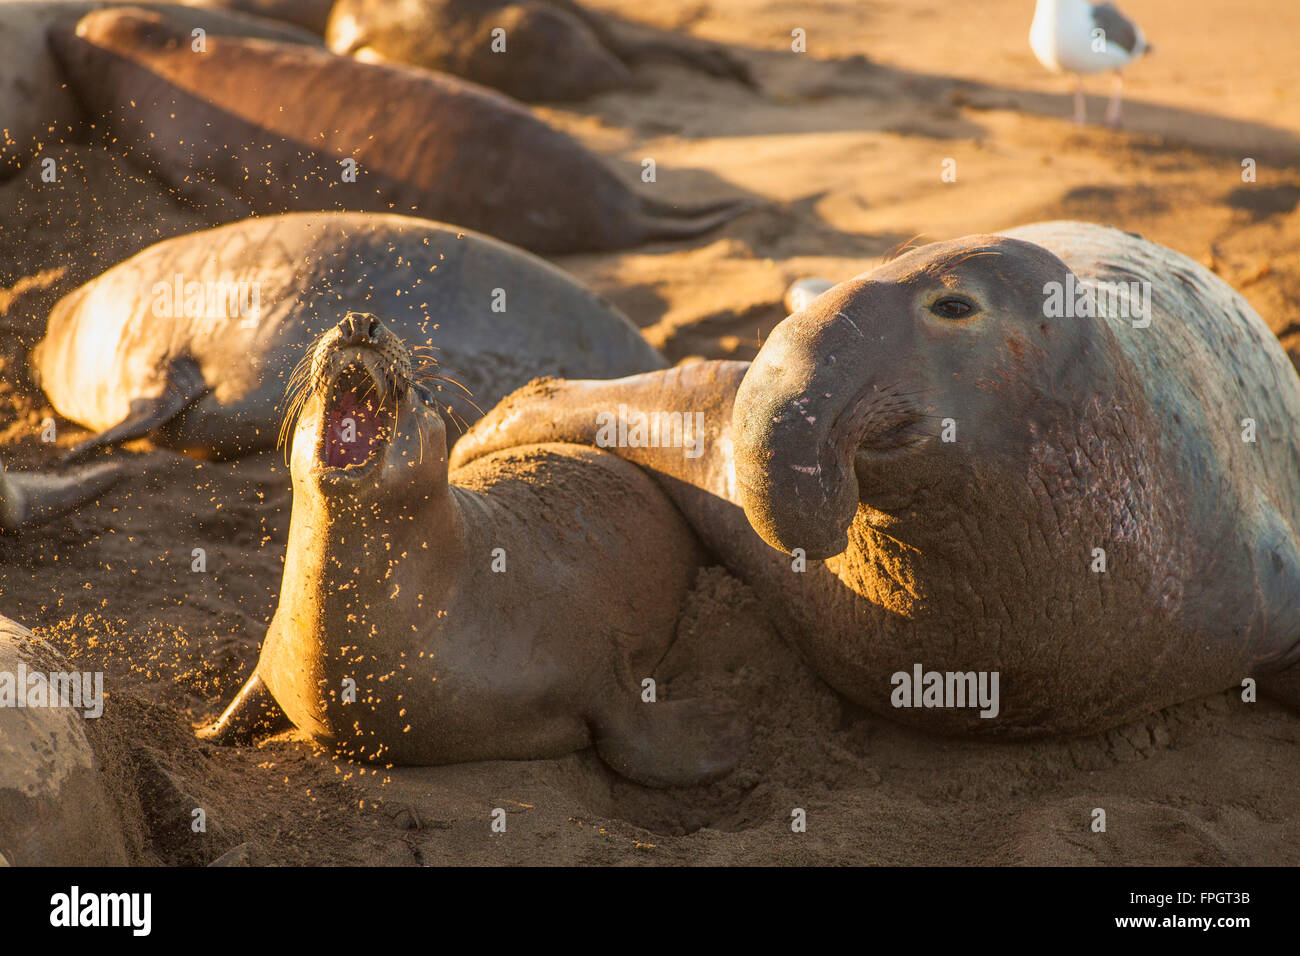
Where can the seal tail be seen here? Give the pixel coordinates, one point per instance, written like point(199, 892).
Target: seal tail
point(667, 221)
point(31, 498)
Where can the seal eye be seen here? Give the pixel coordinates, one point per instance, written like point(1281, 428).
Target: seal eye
point(953, 307)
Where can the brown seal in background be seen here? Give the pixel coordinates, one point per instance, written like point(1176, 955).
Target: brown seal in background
point(554, 50)
point(37, 110)
point(253, 126)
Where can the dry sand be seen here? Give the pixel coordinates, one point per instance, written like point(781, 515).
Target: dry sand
point(845, 144)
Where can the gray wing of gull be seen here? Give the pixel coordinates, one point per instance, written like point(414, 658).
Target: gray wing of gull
point(1119, 29)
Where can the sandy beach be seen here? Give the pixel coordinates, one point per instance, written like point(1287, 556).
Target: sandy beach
point(843, 150)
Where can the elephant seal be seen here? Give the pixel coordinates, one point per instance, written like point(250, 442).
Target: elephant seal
point(972, 461)
point(194, 338)
point(534, 50)
point(37, 111)
point(30, 498)
point(251, 126)
point(310, 15)
point(510, 615)
point(54, 809)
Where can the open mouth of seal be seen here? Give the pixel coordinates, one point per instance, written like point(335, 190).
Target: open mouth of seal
point(360, 418)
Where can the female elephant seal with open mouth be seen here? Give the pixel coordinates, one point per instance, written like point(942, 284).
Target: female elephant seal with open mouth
point(987, 477)
point(193, 339)
point(511, 615)
point(254, 126)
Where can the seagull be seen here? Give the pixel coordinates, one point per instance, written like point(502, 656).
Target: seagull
point(1076, 37)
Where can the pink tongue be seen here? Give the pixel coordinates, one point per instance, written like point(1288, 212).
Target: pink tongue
point(352, 430)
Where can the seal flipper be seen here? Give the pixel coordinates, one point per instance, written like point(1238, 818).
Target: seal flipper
point(184, 386)
point(678, 743)
point(252, 712)
point(665, 221)
point(701, 55)
point(31, 498)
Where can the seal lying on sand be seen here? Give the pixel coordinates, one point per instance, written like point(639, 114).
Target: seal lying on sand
point(309, 14)
point(36, 108)
point(252, 126)
point(54, 810)
point(194, 338)
point(993, 478)
point(29, 498)
point(553, 49)
point(511, 615)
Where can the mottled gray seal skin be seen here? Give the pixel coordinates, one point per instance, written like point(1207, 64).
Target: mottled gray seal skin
point(555, 50)
point(54, 810)
point(37, 110)
point(253, 126)
point(31, 498)
point(509, 610)
point(1071, 433)
point(193, 339)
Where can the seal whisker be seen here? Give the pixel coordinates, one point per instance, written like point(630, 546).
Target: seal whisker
point(976, 255)
point(452, 381)
point(900, 249)
point(460, 420)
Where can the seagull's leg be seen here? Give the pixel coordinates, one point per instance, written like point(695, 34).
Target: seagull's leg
point(1117, 95)
point(1080, 113)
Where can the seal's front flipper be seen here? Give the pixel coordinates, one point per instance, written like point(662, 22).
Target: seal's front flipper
point(29, 499)
point(253, 712)
point(678, 743)
point(184, 386)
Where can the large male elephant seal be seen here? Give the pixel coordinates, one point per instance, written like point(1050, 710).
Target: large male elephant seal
point(511, 615)
point(37, 111)
point(535, 50)
point(987, 476)
point(252, 126)
point(194, 338)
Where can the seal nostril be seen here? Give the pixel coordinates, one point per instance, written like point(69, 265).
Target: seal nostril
point(373, 327)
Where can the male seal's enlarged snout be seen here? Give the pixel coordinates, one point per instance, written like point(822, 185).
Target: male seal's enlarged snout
point(815, 396)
